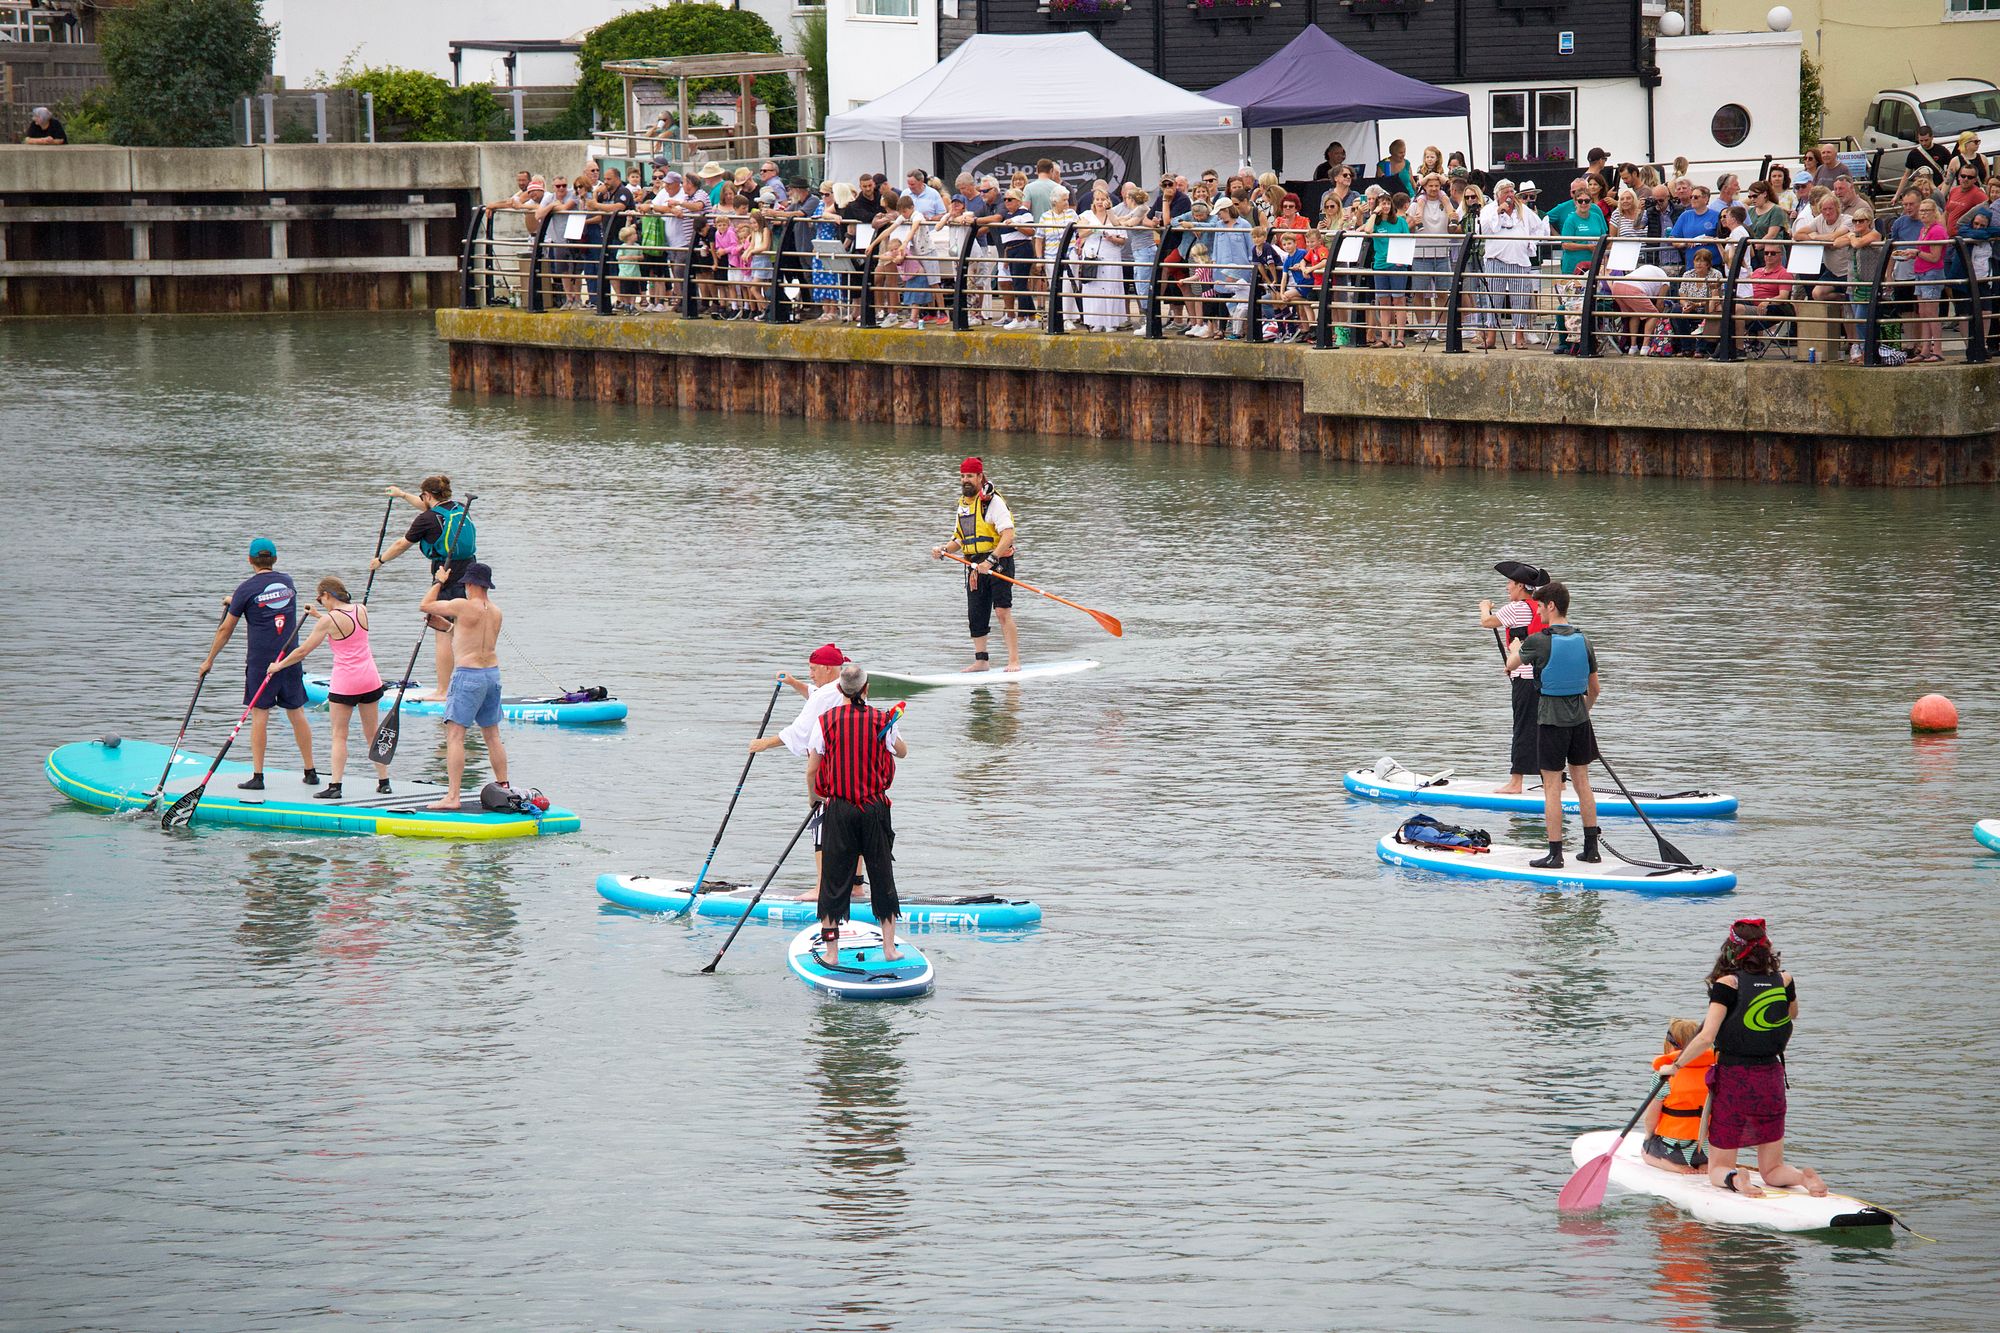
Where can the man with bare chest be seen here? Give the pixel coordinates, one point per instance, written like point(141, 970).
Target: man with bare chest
point(474, 694)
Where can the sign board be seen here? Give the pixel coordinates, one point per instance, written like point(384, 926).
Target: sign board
point(1078, 162)
point(1565, 43)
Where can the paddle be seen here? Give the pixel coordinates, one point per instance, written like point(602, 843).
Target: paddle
point(702, 878)
point(181, 811)
point(760, 891)
point(383, 748)
point(1668, 852)
point(380, 537)
point(1109, 622)
point(1585, 1189)
point(153, 796)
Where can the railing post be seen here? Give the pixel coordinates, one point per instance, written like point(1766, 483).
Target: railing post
point(961, 316)
point(865, 317)
point(612, 224)
point(535, 263)
point(1454, 332)
point(690, 305)
point(1871, 329)
point(249, 123)
point(319, 117)
point(1323, 335)
point(520, 130)
point(777, 308)
point(368, 105)
point(1725, 340)
point(270, 117)
point(1587, 319)
point(1153, 293)
point(465, 262)
point(487, 284)
point(1055, 324)
point(1254, 328)
point(1976, 351)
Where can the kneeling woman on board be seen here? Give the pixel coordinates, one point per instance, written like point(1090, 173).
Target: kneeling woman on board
point(1751, 1006)
point(1673, 1121)
point(355, 682)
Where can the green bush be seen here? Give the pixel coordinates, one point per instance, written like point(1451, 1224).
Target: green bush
point(178, 67)
point(676, 30)
point(87, 119)
point(1812, 103)
point(812, 46)
point(411, 104)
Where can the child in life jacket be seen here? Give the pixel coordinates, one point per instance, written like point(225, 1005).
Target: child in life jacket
point(1673, 1121)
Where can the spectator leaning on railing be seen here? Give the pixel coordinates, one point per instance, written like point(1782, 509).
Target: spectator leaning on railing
point(45, 130)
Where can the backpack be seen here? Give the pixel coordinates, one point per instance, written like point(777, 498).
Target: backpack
point(458, 540)
point(588, 694)
point(1423, 831)
point(501, 798)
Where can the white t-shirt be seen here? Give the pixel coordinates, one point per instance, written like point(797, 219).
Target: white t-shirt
point(1648, 278)
point(1516, 615)
point(799, 735)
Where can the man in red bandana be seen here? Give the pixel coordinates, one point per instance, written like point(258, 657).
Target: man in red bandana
point(984, 535)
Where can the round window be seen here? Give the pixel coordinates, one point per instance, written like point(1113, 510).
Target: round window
point(1731, 125)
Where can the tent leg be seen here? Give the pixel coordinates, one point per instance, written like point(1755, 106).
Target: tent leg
point(1243, 149)
point(1469, 156)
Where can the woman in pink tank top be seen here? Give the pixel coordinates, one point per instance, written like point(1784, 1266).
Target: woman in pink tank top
point(355, 682)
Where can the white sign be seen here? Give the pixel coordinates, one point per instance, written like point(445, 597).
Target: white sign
point(1624, 256)
point(1350, 250)
point(1402, 251)
point(1806, 259)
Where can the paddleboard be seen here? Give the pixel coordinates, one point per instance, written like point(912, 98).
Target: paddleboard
point(1400, 784)
point(1790, 1209)
point(643, 893)
point(1988, 833)
point(897, 683)
point(863, 974)
point(118, 777)
point(1511, 863)
point(518, 708)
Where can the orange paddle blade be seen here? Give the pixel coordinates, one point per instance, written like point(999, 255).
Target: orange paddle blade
point(1110, 623)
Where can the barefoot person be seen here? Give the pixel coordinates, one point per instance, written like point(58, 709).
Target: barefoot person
point(444, 533)
point(474, 700)
point(1566, 675)
point(355, 682)
point(1751, 1007)
point(270, 602)
point(985, 536)
point(1519, 617)
point(851, 763)
point(1673, 1120)
point(821, 691)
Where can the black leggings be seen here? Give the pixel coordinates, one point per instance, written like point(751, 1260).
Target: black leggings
point(1525, 759)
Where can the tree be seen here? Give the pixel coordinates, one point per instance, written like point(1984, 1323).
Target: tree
point(178, 67)
point(812, 48)
point(676, 30)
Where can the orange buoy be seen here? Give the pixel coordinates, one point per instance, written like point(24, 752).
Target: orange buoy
point(1933, 712)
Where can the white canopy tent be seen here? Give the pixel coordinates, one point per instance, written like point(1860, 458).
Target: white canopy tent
point(1051, 86)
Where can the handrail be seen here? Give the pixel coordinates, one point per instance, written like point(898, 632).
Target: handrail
point(1055, 321)
point(866, 318)
point(778, 306)
point(535, 305)
point(1323, 335)
point(465, 264)
point(1151, 326)
point(488, 286)
point(1253, 327)
point(604, 248)
point(961, 320)
point(1871, 328)
point(1454, 330)
point(1586, 325)
point(690, 295)
point(1976, 351)
point(1725, 341)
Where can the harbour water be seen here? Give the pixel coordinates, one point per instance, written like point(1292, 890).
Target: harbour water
point(1244, 1076)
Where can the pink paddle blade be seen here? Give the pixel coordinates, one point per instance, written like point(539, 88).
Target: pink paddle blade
point(1585, 1189)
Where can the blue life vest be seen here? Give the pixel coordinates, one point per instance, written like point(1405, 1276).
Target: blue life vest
point(458, 539)
point(1568, 669)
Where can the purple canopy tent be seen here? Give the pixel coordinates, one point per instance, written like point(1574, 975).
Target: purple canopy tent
point(1315, 80)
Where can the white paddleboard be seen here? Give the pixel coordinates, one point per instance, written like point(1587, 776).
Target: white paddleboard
point(1505, 862)
point(895, 683)
point(1789, 1209)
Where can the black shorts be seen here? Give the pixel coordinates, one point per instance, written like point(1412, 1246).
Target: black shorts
point(287, 689)
point(984, 595)
point(1672, 1150)
point(1563, 746)
point(852, 833)
point(356, 700)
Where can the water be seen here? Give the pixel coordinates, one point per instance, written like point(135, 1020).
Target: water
point(1244, 1077)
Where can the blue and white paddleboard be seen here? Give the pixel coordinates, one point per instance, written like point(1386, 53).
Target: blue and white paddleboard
point(517, 708)
point(1511, 863)
point(1780, 1208)
point(1390, 781)
point(863, 973)
point(643, 893)
point(1988, 833)
point(896, 684)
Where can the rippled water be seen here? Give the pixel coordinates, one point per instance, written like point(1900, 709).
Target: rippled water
point(1244, 1077)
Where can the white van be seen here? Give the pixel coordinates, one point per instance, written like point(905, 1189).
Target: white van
point(1949, 107)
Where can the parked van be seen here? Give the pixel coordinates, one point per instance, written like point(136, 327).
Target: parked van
point(1949, 107)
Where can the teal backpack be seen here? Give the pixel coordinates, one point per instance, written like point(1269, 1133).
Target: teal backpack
point(458, 541)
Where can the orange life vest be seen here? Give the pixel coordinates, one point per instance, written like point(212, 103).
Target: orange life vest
point(1686, 1095)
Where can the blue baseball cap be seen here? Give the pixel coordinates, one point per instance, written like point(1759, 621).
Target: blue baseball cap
point(263, 546)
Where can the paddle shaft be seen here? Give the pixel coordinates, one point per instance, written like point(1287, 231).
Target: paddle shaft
point(193, 798)
point(751, 759)
point(1111, 624)
point(713, 962)
point(1585, 1187)
point(1668, 852)
point(186, 717)
point(380, 537)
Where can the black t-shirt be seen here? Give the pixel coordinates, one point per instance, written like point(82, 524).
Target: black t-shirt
point(54, 131)
point(1934, 162)
point(428, 527)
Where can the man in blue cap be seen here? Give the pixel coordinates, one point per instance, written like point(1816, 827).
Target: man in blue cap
point(270, 603)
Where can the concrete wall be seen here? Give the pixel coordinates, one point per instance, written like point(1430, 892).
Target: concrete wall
point(1758, 71)
point(1864, 46)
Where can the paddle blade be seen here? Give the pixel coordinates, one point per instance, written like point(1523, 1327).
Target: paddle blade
point(1669, 852)
point(1585, 1189)
point(383, 748)
point(1110, 623)
point(181, 811)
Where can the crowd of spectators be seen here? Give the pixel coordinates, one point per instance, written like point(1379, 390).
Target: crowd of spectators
point(1809, 241)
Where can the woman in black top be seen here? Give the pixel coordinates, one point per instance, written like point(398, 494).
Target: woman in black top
point(1751, 1007)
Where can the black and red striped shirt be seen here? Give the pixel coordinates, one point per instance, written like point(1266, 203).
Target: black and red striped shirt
point(855, 764)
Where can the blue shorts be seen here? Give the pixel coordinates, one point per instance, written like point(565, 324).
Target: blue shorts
point(473, 699)
point(287, 688)
point(1930, 291)
point(1392, 281)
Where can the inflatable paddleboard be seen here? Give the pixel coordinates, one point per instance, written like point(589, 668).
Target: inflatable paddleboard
point(118, 777)
point(896, 683)
point(517, 708)
point(643, 893)
point(1790, 1209)
point(1511, 863)
point(863, 973)
point(1400, 784)
point(1988, 833)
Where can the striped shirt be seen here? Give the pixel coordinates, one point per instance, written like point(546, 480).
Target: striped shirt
point(857, 760)
point(1516, 616)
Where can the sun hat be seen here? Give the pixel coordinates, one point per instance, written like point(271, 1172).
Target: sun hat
point(712, 172)
point(477, 575)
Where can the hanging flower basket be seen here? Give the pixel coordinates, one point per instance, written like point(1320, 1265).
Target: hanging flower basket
point(1083, 11)
point(1213, 12)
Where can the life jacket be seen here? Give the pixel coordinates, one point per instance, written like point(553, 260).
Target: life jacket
point(458, 539)
point(1760, 1022)
point(976, 536)
point(1687, 1094)
point(1535, 623)
point(1568, 669)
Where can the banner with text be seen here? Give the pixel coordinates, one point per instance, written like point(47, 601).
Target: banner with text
point(1078, 162)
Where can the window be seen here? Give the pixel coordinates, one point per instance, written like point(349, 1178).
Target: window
point(1896, 119)
point(1532, 125)
point(1951, 116)
point(1972, 9)
point(885, 9)
point(1730, 126)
